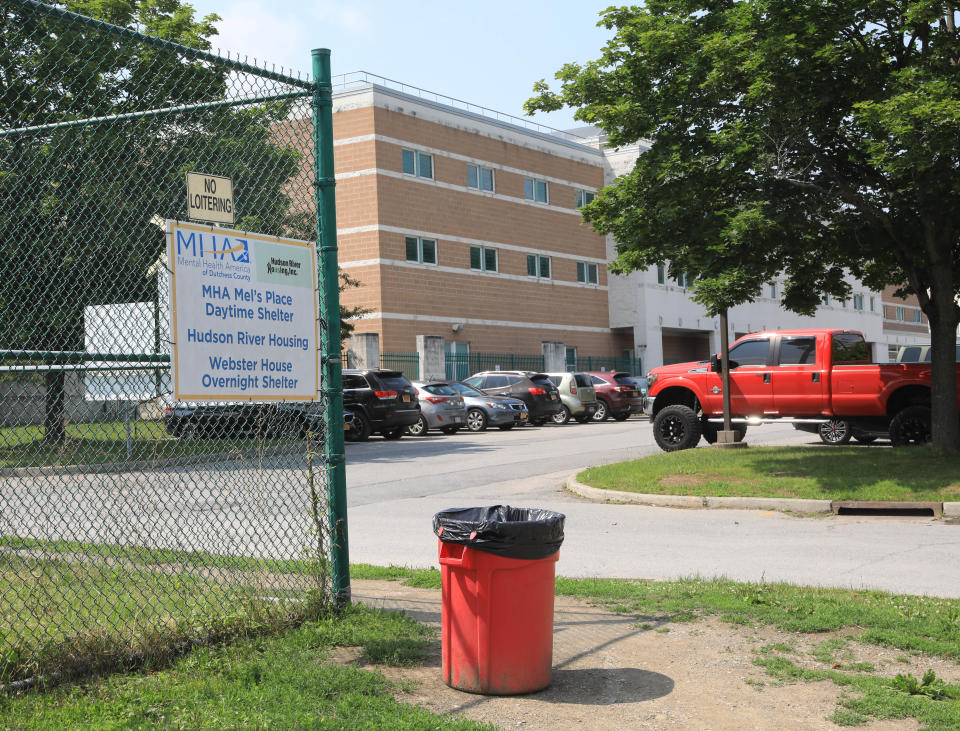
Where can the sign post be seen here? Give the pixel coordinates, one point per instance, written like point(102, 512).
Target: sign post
point(243, 315)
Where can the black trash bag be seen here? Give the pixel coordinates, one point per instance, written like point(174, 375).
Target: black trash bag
point(529, 533)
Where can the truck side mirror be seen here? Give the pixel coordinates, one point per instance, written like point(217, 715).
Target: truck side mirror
point(716, 365)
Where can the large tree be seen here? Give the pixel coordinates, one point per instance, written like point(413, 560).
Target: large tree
point(803, 137)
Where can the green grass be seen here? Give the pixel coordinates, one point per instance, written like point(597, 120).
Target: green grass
point(105, 443)
point(77, 614)
point(283, 681)
point(840, 473)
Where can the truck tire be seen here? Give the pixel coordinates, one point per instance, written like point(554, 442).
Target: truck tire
point(676, 427)
point(835, 432)
point(910, 426)
point(710, 431)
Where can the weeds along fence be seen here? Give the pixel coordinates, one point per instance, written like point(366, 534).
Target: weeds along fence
point(133, 525)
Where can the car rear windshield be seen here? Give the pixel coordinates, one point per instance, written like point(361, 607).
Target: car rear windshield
point(555, 380)
point(624, 380)
point(440, 389)
point(541, 379)
point(393, 382)
point(583, 380)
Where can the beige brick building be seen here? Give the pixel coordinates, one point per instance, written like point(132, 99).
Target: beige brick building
point(465, 226)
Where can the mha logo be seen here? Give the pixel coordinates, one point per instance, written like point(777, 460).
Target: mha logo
point(197, 245)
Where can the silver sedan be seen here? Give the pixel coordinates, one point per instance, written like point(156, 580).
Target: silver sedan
point(484, 410)
point(441, 407)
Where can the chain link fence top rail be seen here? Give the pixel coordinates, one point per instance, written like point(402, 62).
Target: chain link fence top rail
point(132, 525)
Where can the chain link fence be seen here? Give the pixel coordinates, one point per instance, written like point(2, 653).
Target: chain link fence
point(133, 526)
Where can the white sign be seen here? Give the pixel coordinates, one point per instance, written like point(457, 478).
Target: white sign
point(243, 310)
point(209, 198)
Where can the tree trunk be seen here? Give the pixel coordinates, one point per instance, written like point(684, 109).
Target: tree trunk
point(54, 418)
point(945, 422)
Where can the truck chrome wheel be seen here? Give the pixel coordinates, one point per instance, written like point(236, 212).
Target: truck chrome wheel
point(835, 431)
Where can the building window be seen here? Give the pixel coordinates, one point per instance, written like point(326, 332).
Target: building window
point(535, 190)
point(858, 301)
point(479, 177)
point(843, 302)
point(872, 304)
point(586, 272)
point(418, 163)
point(582, 197)
point(901, 315)
point(826, 299)
point(918, 316)
point(661, 274)
point(421, 250)
point(483, 258)
point(773, 290)
point(684, 279)
point(571, 359)
point(538, 266)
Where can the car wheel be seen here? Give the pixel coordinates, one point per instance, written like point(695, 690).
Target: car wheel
point(505, 427)
point(602, 412)
point(835, 431)
point(622, 416)
point(393, 433)
point(361, 428)
point(865, 438)
point(450, 429)
point(476, 420)
point(910, 426)
point(419, 429)
point(562, 416)
point(676, 427)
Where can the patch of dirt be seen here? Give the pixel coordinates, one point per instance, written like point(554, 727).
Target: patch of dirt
point(951, 490)
point(682, 480)
point(608, 672)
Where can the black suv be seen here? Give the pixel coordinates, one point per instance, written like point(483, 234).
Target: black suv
point(536, 390)
point(383, 402)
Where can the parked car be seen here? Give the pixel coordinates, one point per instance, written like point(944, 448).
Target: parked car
point(617, 395)
point(441, 407)
point(382, 402)
point(242, 420)
point(839, 431)
point(534, 389)
point(577, 396)
point(917, 354)
point(484, 410)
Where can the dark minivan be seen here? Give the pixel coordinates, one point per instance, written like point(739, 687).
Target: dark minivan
point(383, 402)
point(536, 390)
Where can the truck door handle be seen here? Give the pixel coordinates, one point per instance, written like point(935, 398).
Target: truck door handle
point(766, 378)
point(816, 377)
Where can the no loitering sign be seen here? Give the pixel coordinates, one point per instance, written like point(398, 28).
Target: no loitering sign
point(209, 198)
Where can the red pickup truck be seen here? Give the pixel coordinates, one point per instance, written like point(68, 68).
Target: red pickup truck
point(791, 376)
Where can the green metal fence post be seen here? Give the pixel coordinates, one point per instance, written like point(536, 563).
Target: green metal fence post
point(330, 313)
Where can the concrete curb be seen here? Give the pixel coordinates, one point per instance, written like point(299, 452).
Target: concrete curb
point(951, 510)
point(792, 505)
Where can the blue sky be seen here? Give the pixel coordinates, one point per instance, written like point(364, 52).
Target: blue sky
point(489, 53)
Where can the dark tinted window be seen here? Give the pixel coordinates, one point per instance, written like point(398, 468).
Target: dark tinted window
point(798, 351)
point(542, 380)
point(353, 381)
point(465, 389)
point(393, 383)
point(624, 380)
point(911, 355)
point(555, 380)
point(597, 381)
point(582, 379)
point(495, 381)
point(441, 389)
point(850, 348)
point(514, 379)
point(750, 353)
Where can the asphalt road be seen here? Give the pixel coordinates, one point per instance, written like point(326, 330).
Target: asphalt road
point(395, 488)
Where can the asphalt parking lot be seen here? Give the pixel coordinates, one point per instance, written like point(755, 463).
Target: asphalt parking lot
point(394, 489)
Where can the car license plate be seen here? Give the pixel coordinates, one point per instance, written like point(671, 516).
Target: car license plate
point(553, 396)
point(406, 398)
point(523, 417)
point(633, 394)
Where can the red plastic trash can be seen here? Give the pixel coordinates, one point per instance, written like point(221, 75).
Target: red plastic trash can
point(497, 615)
